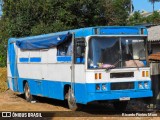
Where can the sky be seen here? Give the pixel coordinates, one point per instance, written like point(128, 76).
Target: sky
point(145, 5)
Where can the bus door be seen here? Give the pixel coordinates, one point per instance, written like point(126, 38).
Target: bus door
point(79, 67)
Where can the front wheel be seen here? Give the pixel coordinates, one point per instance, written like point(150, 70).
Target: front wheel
point(72, 101)
point(27, 93)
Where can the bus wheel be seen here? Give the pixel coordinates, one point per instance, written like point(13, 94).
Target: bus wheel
point(71, 100)
point(27, 93)
point(120, 106)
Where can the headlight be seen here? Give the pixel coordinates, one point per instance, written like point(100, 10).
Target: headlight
point(140, 85)
point(97, 87)
point(104, 87)
point(146, 85)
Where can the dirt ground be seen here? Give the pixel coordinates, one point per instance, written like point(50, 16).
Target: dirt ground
point(56, 109)
point(3, 78)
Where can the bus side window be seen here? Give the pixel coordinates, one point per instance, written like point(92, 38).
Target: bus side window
point(64, 52)
point(80, 51)
point(65, 49)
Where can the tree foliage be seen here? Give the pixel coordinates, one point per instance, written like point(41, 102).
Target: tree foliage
point(28, 17)
point(138, 18)
point(117, 11)
point(22, 18)
point(153, 18)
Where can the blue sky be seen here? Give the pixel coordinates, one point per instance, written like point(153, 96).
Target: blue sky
point(145, 5)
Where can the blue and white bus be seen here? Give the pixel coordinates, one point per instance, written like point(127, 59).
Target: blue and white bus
point(107, 63)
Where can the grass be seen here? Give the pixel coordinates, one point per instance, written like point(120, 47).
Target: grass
point(3, 79)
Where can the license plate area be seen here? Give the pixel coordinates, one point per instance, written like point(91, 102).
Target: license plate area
point(124, 98)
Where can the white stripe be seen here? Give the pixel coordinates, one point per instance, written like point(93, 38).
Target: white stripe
point(52, 72)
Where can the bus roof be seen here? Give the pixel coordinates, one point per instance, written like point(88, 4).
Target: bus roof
point(82, 32)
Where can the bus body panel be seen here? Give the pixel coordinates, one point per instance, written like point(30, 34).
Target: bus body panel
point(47, 73)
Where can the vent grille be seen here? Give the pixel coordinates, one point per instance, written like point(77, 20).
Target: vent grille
point(122, 75)
point(122, 85)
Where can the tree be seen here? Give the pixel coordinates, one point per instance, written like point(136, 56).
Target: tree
point(117, 11)
point(153, 18)
point(136, 18)
point(153, 2)
point(33, 17)
point(28, 17)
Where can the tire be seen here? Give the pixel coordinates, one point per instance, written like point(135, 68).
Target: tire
point(27, 93)
point(72, 102)
point(120, 106)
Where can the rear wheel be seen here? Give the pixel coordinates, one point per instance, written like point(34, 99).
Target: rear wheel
point(120, 106)
point(72, 101)
point(27, 93)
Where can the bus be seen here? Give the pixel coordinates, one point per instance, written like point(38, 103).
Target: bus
point(103, 63)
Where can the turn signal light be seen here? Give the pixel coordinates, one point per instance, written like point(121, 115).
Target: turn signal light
point(100, 75)
point(143, 73)
point(147, 74)
point(96, 76)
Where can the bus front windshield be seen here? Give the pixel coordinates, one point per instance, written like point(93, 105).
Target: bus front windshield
point(116, 52)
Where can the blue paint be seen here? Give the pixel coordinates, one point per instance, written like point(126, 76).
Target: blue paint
point(84, 92)
point(69, 59)
point(32, 59)
point(144, 62)
point(24, 59)
point(80, 60)
point(45, 88)
point(11, 55)
point(13, 65)
point(83, 32)
point(116, 95)
point(42, 42)
point(120, 31)
point(64, 58)
point(35, 59)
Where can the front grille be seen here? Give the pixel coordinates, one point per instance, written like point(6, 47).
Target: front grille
point(122, 85)
point(122, 75)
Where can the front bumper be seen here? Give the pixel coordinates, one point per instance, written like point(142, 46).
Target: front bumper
point(116, 95)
